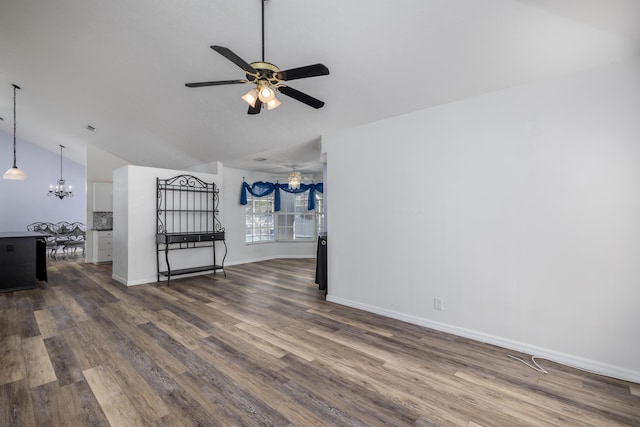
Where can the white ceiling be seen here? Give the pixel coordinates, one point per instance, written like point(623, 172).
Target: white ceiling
point(121, 65)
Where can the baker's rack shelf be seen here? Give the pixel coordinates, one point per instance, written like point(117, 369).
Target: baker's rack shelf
point(187, 218)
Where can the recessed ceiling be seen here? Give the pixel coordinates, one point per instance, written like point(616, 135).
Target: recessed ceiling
point(121, 66)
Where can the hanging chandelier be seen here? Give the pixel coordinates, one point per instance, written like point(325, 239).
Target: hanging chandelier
point(60, 191)
point(295, 178)
point(14, 172)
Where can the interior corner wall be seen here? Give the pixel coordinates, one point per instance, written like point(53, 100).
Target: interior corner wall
point(100, 167)
point(134, 224)
point(120, 234)
point(234, 222)
point(520, 209)
point(26, 202)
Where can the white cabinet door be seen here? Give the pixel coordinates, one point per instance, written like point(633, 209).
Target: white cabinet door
point(102, 197)
point(102, 241)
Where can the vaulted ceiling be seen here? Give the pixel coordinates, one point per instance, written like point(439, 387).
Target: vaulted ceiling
point(121, 66)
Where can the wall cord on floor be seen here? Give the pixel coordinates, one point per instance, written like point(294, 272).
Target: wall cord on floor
point(537, 367)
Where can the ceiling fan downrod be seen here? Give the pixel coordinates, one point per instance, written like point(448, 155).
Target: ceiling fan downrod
point(263, 2)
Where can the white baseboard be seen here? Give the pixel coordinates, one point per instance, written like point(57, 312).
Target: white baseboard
point(133, 282)
point(154, 279)
point(268, 258)
point(573, 361)
point(118, 278)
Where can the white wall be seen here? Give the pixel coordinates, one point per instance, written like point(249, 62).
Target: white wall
point(234, 222)
point(120, 243)
point(26, 202)
point(100, 167)
point(520, 209)
point(134, 225)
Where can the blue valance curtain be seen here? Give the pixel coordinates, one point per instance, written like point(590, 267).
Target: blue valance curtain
point(261, 189)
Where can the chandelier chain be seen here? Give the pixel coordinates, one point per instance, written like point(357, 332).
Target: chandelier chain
point(61, 147)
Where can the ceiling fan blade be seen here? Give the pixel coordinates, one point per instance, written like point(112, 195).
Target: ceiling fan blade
point(256, 109)
point(303, 72)
point(235, 59)
point(218, 83)
point(302, 97)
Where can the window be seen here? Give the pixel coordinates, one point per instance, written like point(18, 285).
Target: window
point(320, 214)
point(293, 220)
point(292, 223)
point(259, 219)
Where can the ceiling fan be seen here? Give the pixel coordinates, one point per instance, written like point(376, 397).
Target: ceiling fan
point(268, 79)
point(294, 178)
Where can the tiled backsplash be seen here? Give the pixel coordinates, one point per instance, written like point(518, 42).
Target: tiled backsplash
point(103, 220)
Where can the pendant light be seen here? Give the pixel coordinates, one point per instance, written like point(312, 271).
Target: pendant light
point(14, 172)
point(60, 191)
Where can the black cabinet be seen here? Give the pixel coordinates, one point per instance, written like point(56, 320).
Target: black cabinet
point(22, 261)
point(187, 218)
point(321, 264)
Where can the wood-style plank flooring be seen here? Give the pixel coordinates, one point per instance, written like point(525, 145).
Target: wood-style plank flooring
point(262, 347)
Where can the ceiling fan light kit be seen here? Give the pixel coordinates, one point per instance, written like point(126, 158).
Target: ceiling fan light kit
point(267, 79)
point(295, 178)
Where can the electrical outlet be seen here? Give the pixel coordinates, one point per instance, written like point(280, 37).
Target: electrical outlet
point(437, 304)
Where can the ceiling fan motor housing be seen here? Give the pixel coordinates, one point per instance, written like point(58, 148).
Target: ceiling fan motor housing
point(266, 71)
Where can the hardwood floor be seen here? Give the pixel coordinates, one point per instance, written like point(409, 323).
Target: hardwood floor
point(262, 347)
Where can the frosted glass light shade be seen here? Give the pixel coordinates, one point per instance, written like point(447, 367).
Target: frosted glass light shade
point(274, 103)
point(251, 97)
point(14, 173)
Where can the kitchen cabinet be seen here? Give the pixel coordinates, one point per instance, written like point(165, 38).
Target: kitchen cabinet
point(102, 245)
point(102, 197)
